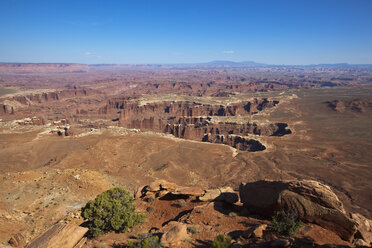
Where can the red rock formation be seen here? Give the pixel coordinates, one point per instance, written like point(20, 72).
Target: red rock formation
point(312, 201)
point(38, 98)
point(202, 89)
point(184, 108)
point(356, 105)
point(6, 109)
point(193, 121)
point(45, 68)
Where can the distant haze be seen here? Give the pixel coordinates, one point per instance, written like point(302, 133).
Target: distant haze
point(164, 32)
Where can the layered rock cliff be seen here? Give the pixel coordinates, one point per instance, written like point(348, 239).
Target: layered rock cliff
point(195, 121)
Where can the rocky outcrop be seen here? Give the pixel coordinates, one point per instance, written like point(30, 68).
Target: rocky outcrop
point(191, 120)
point(174, 233)
point(6, 108)
point(314, 202)
point(205, 88)
point(130, 108)
point(356, 105)
point(11, 104)
point(44, 68)
point(225, 194)
point(60, 235)
point(364, 227)
point(160, 188)
point(17, 240)
point(31, 121)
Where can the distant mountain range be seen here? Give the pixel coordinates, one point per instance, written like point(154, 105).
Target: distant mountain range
point(215, 63)
point(232, 63)
point(255, 64)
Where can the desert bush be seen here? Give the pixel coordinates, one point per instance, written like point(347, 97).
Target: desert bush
point(146, 242)
point(233, 214)
point(150, 209)
point(222, 241)
point(192, 229)
point(181, 203)
point(286, 222)
point(112, 210)
point(151, 198)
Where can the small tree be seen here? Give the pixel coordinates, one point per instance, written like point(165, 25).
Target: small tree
point(286, 222)
point(222, 241)
point(147, 241)
point(112, 210)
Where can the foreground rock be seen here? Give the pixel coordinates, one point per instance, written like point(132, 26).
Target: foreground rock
point(225, 194)
point(174, 233)
point(313, 201)
point(61, 236)
point(161, 188)
point(17, 240)
point(364, 228)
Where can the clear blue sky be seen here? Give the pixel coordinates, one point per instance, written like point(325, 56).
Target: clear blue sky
point(185, 31)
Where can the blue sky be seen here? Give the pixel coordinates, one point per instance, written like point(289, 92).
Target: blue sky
point(186, 31)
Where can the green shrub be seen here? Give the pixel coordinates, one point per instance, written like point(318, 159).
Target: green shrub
point(181, 203)
point(192, 229)
point(222, 241)
point(112, 210)
point(150, 209)
point(286, 222)
point(146, 242)
point(151, 198)
point(233, 214)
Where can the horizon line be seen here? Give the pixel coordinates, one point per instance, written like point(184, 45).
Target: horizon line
point(195, 63)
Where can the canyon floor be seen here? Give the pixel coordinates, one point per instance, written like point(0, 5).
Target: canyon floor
point(60, 150)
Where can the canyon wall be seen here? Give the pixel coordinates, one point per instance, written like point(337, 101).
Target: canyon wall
point(10, 104)
point(194, 121)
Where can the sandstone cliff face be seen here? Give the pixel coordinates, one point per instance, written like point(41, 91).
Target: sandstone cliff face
point(6, 109)
point(10, 105)
point(131, 108)
point(45, 68)
point(193, 121)
point(356, 105)
point(204, 89)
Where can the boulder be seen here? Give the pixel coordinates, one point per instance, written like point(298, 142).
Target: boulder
point(256, 231)
point(229, 197)
point(161, 185)
point(173, 233)
point(210, 195)
point(314, 202)
point(60, 235)
point(225, 194)
point(81, 243)
point(364, 227)
point(361, 243)
point(17, 240)
point(190, 191)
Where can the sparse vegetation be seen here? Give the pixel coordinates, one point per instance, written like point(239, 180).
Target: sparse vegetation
point(112, 210)
point(286, 222)
point(147, 241)
point(192, 229)
point(200, 211)
point(222, 241)
point(150, 209)
point(181, 203)
point(151, 198)
point(233, 214)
